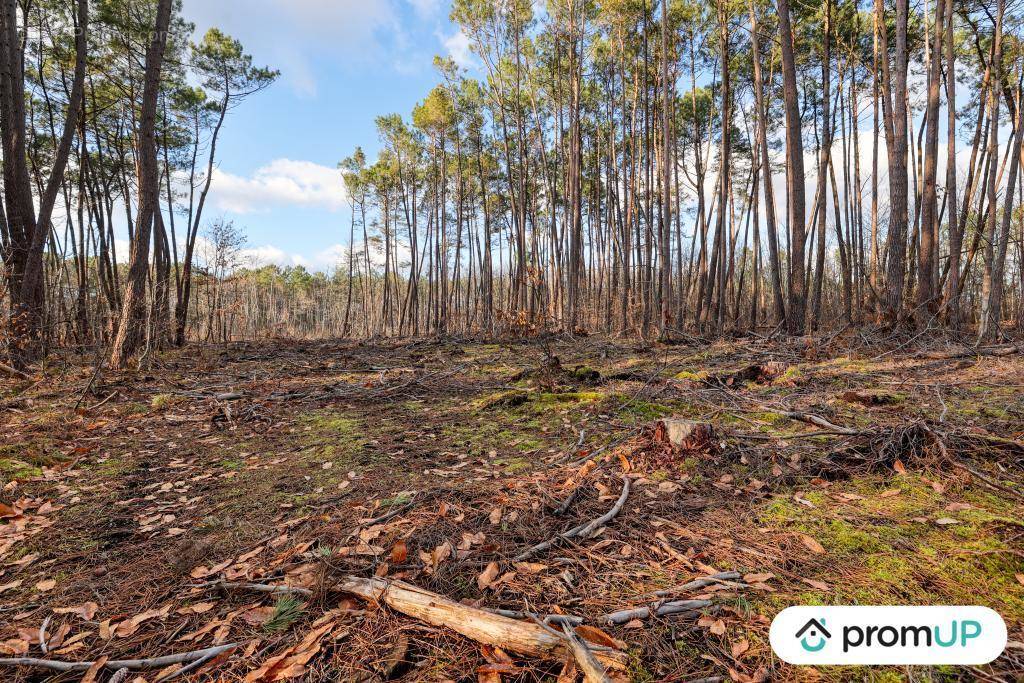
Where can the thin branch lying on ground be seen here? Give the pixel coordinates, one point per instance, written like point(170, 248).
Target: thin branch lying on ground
point(593, 671)
point(948, 457)
point(14, 372)
point(153, 663)
point(257, 587)
point(660, 609)
point(583, 530)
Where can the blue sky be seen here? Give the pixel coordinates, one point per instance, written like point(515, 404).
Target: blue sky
point(342, 63)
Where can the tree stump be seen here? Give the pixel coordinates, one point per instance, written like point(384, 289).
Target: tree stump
point(685, 435)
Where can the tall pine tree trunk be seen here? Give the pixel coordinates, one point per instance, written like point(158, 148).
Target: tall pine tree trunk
point(132, 327)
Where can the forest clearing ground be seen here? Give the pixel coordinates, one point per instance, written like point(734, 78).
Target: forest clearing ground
point(127, 496)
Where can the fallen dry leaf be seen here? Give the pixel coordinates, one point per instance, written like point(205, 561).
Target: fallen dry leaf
point(105, 631)
point(86, 611)
point(820, 585)
point(436, 556)
point(94, 670)
point(130, 626)
point(257, 616)
point(740, 647)
point(594, 635)
point(46, 585)
point(197, 608)
point(399, 552)
point(811, 544)
point(487, 576)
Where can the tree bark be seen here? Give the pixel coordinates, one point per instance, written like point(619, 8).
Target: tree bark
point(132, 327)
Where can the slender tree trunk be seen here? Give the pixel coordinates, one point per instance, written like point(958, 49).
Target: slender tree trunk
point(794, 175)
point(131, 330)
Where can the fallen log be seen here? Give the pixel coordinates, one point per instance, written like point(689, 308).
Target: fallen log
point(972, 352)
point(521, 637)
point(583, 530)
point(14, 372)
point(153, 663)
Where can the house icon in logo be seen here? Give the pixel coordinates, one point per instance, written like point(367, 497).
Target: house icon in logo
point(815, 632)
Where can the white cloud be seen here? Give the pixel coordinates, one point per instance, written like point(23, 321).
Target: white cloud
point(458, 48)
point(325, 260)
point(281, 182)
point(290, 34)
point(425, 8)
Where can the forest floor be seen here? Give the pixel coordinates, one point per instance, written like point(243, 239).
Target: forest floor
point(130, 500)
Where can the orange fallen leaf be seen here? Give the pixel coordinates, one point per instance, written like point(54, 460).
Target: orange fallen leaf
point(400, 552)
point(594, 635)
point(105, 631)
point(811, 544)
point(197, 608)
point(740, 647)
point(820, 585)
point(86, 611)
point(94, 670)
point(130, 626)
point(46, 585)
point(487, 576)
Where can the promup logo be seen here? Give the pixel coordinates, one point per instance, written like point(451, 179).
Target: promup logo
point(815, 632)
point(888, 635)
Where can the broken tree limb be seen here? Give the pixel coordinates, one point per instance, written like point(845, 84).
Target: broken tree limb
point(660, 609)
point(817, 421)
point(14, 372)
point(257, 587)
point(42, 634)
point(593, 670)
point(699, 583)
point(981, 476)
point(998, 350)
point(583, 530)
point(153, 663)
point(521, 637)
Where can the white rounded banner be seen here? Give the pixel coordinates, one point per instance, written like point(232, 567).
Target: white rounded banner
point(888, 635)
